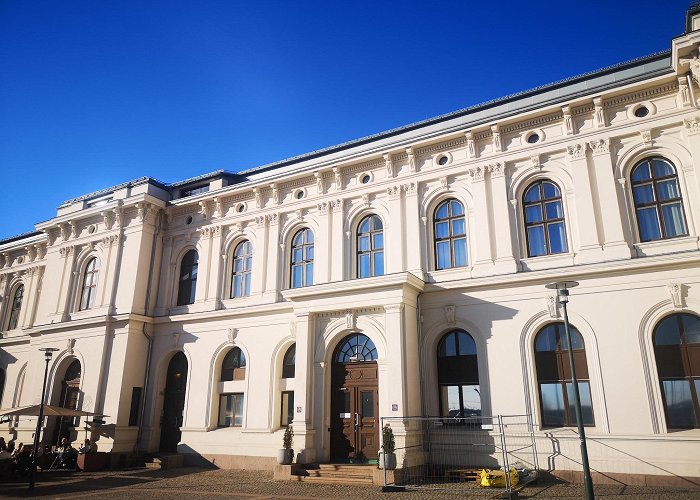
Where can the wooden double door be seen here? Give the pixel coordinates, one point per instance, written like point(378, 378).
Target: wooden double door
point(354, 412)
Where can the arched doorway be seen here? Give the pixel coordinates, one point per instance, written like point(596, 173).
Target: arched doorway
point(174, 403)
point(354, 400)
point(69, 398)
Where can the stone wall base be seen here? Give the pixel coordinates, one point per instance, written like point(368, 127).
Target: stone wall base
point(571, 476)
point(240, 462)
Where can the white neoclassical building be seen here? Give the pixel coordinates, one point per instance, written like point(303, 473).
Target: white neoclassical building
point(397, 275)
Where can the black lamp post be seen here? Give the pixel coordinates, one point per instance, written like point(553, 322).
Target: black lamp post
point(562, 288)
point(48, 354)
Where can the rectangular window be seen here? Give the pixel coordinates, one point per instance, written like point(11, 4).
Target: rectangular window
point(287, 408)
point(193, 191)
point(136, 394)
point(231, 410)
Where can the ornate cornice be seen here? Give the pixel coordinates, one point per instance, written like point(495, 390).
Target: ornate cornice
point(576, 151)
point(394, 192)
point(600, 146)
point(477, 174)
point(497, 169)
point(337, 205)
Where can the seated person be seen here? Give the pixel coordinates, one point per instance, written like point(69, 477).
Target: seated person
point(86, 447)
point(22, 459)
point(66, 455)
point(6, 465)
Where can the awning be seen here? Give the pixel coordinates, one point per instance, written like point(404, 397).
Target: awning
point(49, 411)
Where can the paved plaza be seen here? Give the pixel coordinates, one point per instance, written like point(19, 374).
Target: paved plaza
point(204, 483)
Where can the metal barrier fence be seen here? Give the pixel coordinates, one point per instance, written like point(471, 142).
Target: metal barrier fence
point(456, 453)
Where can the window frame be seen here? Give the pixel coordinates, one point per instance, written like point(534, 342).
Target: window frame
point(234, 396)
point(468, 363)
point(657, 204)
point(451, 238)
point(290, 404)
point(15, 309)
point(545, 222)
point(289, 370)
point(372, 251)
point(193, 273)
point(88, 303)
point(303, 264)
point(238, 371)
point(246, 271)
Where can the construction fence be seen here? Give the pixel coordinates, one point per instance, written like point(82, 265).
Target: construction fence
point(494, 455)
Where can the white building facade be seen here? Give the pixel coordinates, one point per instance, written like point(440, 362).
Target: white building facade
point(397, 275)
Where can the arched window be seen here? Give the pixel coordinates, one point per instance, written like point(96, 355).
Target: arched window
point(370, 247)
point(188, 278)
point(545, 229)
point(355, 348)
point(554, 376)
point(92, 271)
point(70, 398)
point(288, 364)
point(16, 307)
point(657, 200)
point(458, 375)
point(233, 366)
point(302, 260)
point(677, 351)
point(450, 235)
point(242, 266)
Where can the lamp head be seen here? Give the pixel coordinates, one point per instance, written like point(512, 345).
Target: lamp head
point(48, 352)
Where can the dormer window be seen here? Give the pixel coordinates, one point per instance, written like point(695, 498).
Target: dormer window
point(184, 193)
point(99, 202)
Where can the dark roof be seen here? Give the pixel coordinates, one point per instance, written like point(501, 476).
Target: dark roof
point(20, 237)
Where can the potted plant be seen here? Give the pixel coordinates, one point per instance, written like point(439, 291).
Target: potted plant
point(387, 457)
point(286, 454)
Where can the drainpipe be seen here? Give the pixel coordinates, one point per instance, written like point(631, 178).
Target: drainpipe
point(692, 91)
point(149, 339)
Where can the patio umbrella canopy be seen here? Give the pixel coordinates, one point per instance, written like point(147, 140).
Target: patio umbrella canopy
point(49, 411)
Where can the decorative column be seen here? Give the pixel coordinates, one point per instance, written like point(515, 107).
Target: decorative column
point(501, 223)
point(395, 241)
point(67, 279)
point(111, 246)
point(413, 255)
point(257, 278)
point(322, 245)
point(692, 181)
point(590, 248)
point(274, 254)
point(303, 388)
point(614, 244)
point(214, 267)
point(482, 260)
point(337, 243)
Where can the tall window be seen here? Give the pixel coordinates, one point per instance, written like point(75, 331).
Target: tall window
point(554, 376)
point(370, 247)
point(289, 362)
point(458, 375)
point(231, 410)
point(242, 266)
point(545, 229)
point(233, 366)
point(92, 270)
point(16, 307)
point(355, 348)
point(657, 200)
point(677, 350)
point(188, 278)
point(450, 235)
point(302, 261)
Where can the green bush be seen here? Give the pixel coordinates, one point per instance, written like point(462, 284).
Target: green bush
point(288, 437)
point(388, 443)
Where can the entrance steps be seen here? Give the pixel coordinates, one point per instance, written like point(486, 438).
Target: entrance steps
point(335, 474)
point(164, 461)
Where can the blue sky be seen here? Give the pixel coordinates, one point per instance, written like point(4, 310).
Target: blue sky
point(94, 93)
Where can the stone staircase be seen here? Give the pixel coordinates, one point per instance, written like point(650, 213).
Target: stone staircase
point(335, 474)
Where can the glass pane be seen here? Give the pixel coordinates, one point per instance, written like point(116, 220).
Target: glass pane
point(550, 190)
point(679, 403)
point(285, 409)
point(238, 409)
point(691, 328)
point(641, 173)
point(364, 226)
point(225, 411)
point(238, 265)
point(309, 236)
point(460, 249)
point(363, 243)
point(643, 194)
point(448, 346)
point(547, 339)
point(309, 274)
point(378, 241)
point(552, 404)
point(367, 403)
point(672, 215)
point(554, 210)
point(584, 392)
point(378, 258)
point(449, 401)
point(533, 214)
point(442, 212)
point(346, 401)
point(363, 267)
point(536, 243)
point(248, 263)
point(298, 238)
point(444, 260)
point(662, 168)
point(442, 230)
point(296, 277)
point(376, 223)
point(668, 189)
point(466, 344)
point(557, 237)
point(666, 332)
point(533, 194)
point(309, 253)
point(296, 255)
point(648, 224)
point(236, 292)
point(247, 285)
point(457, 208)
point(471, 397)
point(458, 227)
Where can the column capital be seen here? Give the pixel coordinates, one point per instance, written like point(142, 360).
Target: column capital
point(576, 151)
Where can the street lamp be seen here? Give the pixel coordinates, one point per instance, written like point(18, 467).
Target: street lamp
point(48, 354)
point(562, 288)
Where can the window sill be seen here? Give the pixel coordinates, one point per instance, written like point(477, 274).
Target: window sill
point(453, 273)
point(89, 313)
point(659, 247)
point(547, 261)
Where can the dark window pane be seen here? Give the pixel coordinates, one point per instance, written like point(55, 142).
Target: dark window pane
point(533, 194)
point(679, 404)
point(377, 241)
point(691, 328)
point(648, 224)
point(667, 332)
point(458, 227)
point(546, 339)
point(554, 210)
point(296, 277)
point(378, 264)
point(550, 190)
point(584, 390)
point(533, 213)
point(460, 249)
point(443, 255)
point(364, 270)
point(466, 344)
point(442, 230)
point(641, 173)
point(536, 241)
point(309, 275)
point(552, 404)
point(643, 194)
point(442, 211)
point(363, 243)
point(662, 168)
point(367, 403)
point(668, 189)
point(557, 237)
point(674, 223)
point(457, 208)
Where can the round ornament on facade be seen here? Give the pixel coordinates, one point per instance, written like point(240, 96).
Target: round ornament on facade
point(533, 138)
point(188, 220)
point(92, 228)
point(442, 160)
point(300, 194)
point(240, 208)
point(365, 178)
point(20, 260)
point(641, 111)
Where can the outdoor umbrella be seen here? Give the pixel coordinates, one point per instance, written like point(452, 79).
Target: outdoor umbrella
point(49, 411)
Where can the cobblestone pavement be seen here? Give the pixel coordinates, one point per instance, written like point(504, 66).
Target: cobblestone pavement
point(258, 485)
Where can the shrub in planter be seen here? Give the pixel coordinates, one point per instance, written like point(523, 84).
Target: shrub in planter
point(387, 457)
point(286, 454)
